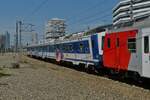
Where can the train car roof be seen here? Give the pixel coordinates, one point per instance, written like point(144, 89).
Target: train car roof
point(64, 41)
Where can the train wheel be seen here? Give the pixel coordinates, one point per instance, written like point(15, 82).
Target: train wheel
point(90, 69)
point(82, 67)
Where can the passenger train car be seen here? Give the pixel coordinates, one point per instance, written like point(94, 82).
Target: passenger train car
point(86, 50)
point(123, 51)
point(128, 51)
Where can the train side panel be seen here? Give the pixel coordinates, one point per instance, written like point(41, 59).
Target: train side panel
point(145, 32)
point(79, 52)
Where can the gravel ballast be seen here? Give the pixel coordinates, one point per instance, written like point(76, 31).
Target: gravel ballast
point(38, 80)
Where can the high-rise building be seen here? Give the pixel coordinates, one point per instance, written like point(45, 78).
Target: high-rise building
point(15, 42)
point(7, 40)
point(55, 28)
point(2, 42)
point(129, 11)
point(34, 38)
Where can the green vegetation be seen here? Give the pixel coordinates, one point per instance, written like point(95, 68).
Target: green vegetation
point(3, 72)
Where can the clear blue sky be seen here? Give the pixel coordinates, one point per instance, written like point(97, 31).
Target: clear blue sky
point(79, 14)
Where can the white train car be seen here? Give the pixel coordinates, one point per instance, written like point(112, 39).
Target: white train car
point(85, 50)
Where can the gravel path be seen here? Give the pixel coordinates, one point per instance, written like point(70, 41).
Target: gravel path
point(37, 80)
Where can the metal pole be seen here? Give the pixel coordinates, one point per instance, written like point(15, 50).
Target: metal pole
point(20, 40)
point(22, 28)
point(16, 42)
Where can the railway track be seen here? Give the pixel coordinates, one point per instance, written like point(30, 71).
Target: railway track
point(143, 83)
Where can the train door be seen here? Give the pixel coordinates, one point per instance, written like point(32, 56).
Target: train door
point(109, 51)
point(101, 38)
point(94, 40)
point(146, 52)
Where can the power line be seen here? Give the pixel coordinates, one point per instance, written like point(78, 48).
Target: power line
point(89, 18)
point(99, 4)
point(99, 18)
point(26, 26)
point(81, 19)
point(102, 18)
point(86, 19)
point(39, 7)
point(103, 13)
point(88, 9)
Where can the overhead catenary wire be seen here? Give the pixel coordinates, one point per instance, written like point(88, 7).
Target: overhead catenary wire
point(100, 3)
point(39, 7)
point(88, 18)
point(101, 18)
point(91, 20)
point(78, 21)
point(31, 14)
point(84, 11)
point(36, 9)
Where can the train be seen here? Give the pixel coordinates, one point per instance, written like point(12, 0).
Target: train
point(125, 52)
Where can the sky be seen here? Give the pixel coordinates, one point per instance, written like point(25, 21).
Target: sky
point(78, 14)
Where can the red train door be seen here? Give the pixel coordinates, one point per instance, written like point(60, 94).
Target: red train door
point(109, 54)
point(112, 51)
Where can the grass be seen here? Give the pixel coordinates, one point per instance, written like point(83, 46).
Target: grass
point(4, 73)
point(1, 69)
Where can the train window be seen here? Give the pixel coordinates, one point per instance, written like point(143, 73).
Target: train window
point(51, 48)
point(86, 50)
point(63, 47)
point(66, 47)
point(54, 47)
point(93, 46)
point(108, 42)
point(146, 44)
point(70, 47)
point(58, 46)
point(118, 42)
point(81, 47)
point(103, 38)
point(132, 45)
